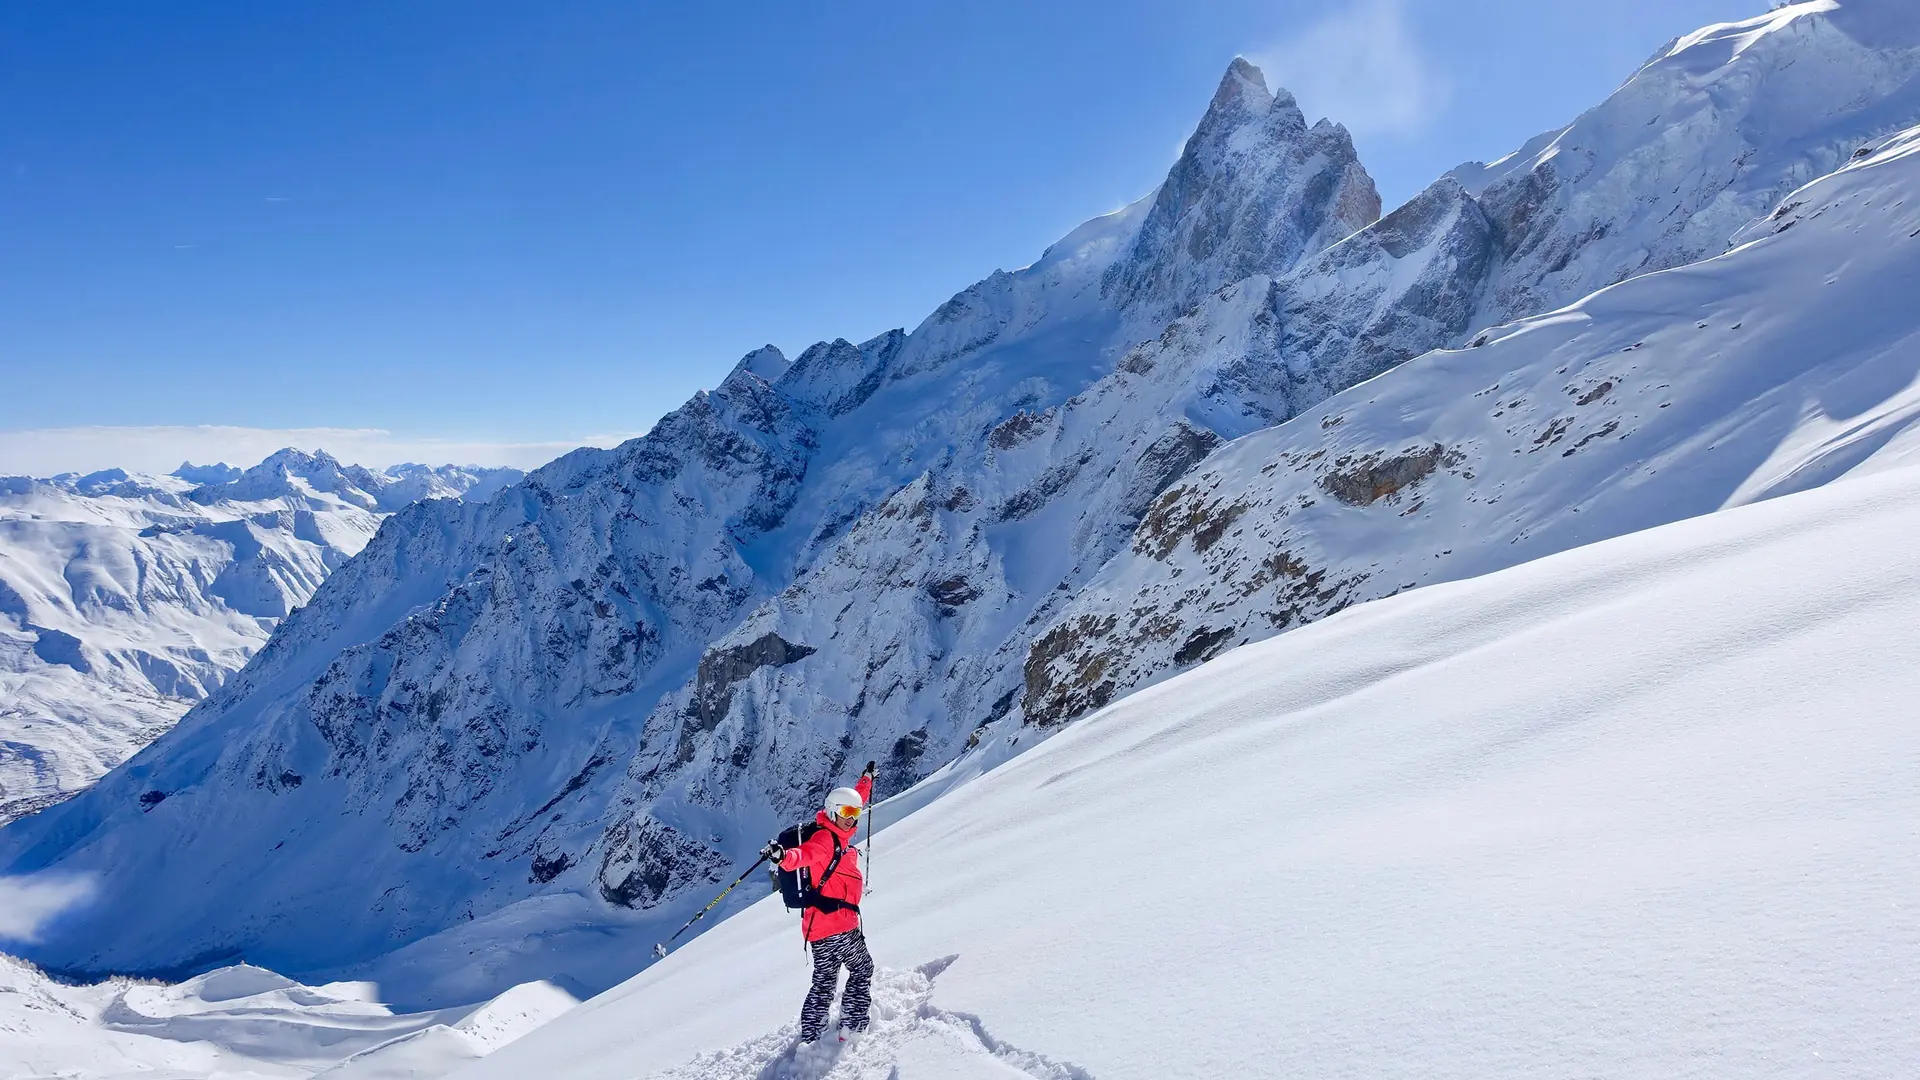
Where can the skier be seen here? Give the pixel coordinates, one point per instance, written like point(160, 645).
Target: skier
point(830, 922)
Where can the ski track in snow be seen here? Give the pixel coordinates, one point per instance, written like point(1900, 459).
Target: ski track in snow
point(905, 1024)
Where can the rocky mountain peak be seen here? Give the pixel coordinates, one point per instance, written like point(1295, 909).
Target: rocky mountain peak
point(767, 362)
point(206, 474)
point(1255, 190)
point(1709, 135)
point(292, 473)
point(1242, 95)
point(837, 376)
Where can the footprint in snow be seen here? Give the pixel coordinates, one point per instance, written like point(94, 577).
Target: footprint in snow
point(907, 1034)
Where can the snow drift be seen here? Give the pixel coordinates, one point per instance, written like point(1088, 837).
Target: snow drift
point(243, 1022)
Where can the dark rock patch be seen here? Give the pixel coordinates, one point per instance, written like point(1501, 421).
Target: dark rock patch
point(1367, 480)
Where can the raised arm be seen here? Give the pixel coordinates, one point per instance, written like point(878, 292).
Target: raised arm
point(814, 853)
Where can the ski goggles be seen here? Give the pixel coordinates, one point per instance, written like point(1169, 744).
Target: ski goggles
point(848, 813)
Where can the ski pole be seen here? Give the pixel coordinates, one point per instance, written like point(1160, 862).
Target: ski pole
point(872, 798)
point(660, 950)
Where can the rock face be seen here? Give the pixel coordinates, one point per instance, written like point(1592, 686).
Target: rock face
point(125, 599)
point(1254, 191)
point(617, 678)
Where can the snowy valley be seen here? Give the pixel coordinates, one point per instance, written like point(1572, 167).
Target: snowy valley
point(125, 599)
point(1473, 640)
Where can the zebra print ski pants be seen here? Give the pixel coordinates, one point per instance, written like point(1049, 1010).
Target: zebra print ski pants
point(829, 954)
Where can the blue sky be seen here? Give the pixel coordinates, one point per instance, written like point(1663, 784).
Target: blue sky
point(486, 231)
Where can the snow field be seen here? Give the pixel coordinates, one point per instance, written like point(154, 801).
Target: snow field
point(243, 1022)
point(1640, 809)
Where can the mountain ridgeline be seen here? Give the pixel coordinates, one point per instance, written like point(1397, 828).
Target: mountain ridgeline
point(619, 676)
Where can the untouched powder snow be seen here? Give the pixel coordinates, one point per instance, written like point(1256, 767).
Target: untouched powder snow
point(1641, 809)
point(242, 1022)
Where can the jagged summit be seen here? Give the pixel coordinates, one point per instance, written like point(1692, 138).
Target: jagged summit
point(203, 475)
point(1242, 95)
point(766, 362)
point(295, 473)
point(430, 691)
point(317, 480)
point(1254, 191)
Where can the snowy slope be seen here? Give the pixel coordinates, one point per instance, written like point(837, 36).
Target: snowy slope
point(577, 704)
point(1775, 368)
point(1643, 809)
point(124, 599)
point(243, 1022)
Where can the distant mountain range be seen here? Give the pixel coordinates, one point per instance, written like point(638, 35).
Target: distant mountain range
point(126, 598)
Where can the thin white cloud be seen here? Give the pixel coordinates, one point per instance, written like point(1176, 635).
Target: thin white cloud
point(28, 904)
point(1363, 67)
point(161, 449)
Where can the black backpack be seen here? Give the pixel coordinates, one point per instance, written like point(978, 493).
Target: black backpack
point(797, 889)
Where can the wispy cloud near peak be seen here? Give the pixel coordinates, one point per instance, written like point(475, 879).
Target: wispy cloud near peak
point(1363, 67)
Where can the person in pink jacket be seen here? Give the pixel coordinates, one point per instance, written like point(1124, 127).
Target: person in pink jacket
point(831, 921)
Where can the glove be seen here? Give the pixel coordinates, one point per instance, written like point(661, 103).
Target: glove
point(869, 770)
point(774, 852)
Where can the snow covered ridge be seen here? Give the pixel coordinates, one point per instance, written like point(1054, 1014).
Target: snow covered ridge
point(1772, 369)
point(126, 598)
point(1713, 132)
point(1642, 809)
point(243, 1022)
point(586, 696)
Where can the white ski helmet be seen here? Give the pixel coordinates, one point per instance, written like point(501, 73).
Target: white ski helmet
point(845, 805)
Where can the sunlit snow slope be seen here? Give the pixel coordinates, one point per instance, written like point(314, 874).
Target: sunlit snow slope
point(1641, 809)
